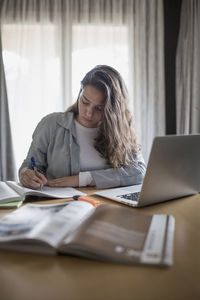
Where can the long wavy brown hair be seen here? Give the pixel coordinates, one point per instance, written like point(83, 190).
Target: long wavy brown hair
point(116, 141)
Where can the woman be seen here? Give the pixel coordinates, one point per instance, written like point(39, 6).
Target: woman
point(92, 143)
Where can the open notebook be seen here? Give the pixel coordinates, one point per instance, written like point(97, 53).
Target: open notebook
point(11, 191)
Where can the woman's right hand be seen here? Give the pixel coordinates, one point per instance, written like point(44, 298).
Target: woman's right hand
point(29, 179)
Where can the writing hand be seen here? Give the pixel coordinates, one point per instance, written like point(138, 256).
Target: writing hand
point(29, 179)
point(72, 181)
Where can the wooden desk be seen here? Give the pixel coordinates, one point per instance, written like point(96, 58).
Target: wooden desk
point(29, 276)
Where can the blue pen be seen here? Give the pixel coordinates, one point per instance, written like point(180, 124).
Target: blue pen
point(32, 164)
point(33, 167)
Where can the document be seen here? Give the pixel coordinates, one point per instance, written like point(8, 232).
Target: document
point(107, 232)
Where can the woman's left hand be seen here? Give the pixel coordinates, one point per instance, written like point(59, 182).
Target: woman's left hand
point(72, 181)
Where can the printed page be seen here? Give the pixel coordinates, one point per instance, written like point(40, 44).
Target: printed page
point(7, 194)
point(63, 223)
point(20, 223)
point(52, 192)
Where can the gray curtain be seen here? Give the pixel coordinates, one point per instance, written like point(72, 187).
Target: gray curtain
point(188, 69)
point(7, 163)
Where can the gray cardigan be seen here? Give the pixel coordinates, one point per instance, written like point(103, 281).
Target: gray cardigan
point(56, 152)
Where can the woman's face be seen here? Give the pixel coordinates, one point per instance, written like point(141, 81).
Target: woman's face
point(90, 106)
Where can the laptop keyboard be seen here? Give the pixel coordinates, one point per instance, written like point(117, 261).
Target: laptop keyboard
point(130, 196)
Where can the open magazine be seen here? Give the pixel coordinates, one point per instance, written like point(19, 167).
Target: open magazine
point(108, 232)
point(13, 191)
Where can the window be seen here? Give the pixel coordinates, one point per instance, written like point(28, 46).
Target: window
point(94, 45)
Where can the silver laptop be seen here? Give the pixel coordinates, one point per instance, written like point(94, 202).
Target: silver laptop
point(173, 171)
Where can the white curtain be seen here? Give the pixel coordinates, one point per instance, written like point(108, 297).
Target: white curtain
point(147, 69)
point(188, 69)
point(42, 43)
point(7, 162)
